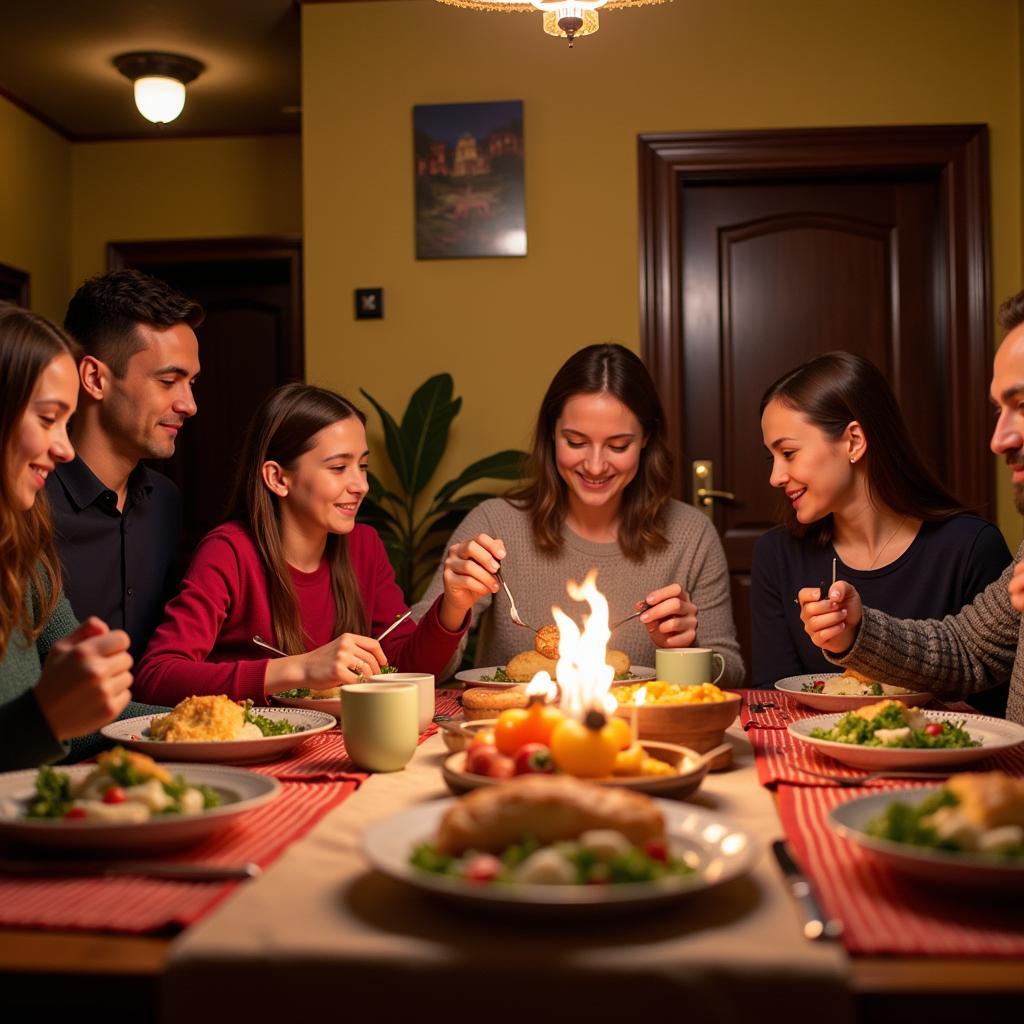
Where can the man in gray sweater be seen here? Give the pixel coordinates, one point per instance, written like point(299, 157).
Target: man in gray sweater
point(980, 646)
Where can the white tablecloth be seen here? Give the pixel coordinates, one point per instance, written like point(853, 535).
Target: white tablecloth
point(320, 930)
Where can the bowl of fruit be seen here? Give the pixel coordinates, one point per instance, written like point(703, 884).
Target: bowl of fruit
point(692, 716)
point(541, 740)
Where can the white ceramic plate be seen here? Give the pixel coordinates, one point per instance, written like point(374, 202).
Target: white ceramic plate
point(995, 734)
point(719, 851)
point(834, 702)
point(473, 676)
point(942, 866)
point(240, 791)
point(134, 734)
point(325, 705)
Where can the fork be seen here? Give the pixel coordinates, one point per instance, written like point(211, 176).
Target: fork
point(512, 610)
point(860, 780)
point(644, 606)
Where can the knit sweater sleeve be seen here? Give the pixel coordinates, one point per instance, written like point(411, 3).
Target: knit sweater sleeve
point(708, 585)
point(175, 665)
point(956, 656)
point(477, 521)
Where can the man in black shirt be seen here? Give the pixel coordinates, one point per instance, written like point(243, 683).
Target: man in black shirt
point(118, 523)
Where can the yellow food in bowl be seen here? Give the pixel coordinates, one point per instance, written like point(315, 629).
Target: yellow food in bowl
point(660, 692)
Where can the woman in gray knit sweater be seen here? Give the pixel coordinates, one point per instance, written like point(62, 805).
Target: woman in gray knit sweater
point(58, 680)
point(597, 497)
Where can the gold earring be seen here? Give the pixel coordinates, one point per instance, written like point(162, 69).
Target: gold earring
point(852, 459)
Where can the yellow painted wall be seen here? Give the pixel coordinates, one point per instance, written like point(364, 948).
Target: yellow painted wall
point(181, 188)
point(503, 326)
point(35, 203)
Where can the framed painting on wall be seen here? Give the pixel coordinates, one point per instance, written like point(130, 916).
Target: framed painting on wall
point(470, 198)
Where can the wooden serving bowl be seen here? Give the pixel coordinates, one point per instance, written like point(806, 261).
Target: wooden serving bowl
point(697, 726)
point(690, 772)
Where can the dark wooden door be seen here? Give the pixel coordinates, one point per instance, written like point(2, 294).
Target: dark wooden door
point(249, 343)
point(780, 262)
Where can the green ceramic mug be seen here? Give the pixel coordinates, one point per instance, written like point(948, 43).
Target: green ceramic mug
point(688, 666)
point(379, 724)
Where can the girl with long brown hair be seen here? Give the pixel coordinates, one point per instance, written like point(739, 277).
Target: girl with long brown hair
point(58, 679)
point(597, 496)
point(293, 566)
point(857, 492)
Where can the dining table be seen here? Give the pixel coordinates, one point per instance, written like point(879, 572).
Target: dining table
point(319, 927)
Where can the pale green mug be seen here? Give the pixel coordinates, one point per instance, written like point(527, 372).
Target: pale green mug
point(379, 724)
point(688, 666)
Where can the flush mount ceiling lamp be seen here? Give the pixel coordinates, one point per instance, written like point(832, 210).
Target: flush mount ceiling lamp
point(160, 80)
point(568, 19)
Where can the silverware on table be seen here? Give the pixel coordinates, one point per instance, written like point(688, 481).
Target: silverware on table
point(860, 780)
point(135, 868)
point(816, 924)
point(512, 611)
point(260, 642)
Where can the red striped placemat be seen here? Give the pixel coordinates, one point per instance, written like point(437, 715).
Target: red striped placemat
point(779, 757)
point(882, 911)
point(324, 757)
point(137, 906)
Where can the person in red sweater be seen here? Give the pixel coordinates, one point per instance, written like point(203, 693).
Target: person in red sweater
point(293, 566)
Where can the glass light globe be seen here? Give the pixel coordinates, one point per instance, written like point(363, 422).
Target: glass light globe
point(159, 99)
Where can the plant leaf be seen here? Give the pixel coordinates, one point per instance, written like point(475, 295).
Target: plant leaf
point(504, 465)
point(425, 427)
point(393, 441)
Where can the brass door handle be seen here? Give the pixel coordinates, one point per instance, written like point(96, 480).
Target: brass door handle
point(706, 495)
point(702, 487)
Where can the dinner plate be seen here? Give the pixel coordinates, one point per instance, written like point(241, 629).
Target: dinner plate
point(325, 705)
point(941, 866)
point(684, 782)
point(995, 734)
point(474, 676)
point(240, 791)
point(834, 702)
point(719, 850)
point(133, 733)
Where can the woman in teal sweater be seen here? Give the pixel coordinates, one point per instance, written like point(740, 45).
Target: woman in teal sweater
point(58, 679)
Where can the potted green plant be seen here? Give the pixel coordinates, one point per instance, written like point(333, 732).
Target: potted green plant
point(415, 531)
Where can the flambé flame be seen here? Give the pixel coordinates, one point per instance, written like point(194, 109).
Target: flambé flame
point(542, 685)
point(583, 674)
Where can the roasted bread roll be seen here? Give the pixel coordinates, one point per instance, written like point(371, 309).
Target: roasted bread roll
point(481, 702)
point(549, 808)
point(525, 665)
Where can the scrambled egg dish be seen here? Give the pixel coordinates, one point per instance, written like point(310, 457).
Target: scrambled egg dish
point(204, 718)
point(657, 691)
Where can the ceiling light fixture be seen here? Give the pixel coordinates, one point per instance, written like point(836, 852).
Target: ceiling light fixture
point(568, 19)
point(160, 80)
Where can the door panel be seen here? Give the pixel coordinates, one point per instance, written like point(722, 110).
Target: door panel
point(763, 250)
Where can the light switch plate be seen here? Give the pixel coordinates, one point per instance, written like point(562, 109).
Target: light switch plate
point(369, 303)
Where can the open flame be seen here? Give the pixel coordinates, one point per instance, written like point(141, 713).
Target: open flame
point(583, 674)
point(542, 685)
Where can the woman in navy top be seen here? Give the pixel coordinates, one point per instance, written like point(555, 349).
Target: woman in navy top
point(859, 493)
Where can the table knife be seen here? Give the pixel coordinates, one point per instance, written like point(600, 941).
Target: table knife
point(816, 924)
point(136, 868)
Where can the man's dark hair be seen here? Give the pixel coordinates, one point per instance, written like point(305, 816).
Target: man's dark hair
point(1011, 312)
point(104, 312)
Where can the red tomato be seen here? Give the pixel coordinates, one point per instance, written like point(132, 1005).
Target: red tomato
point(75, 812)
point(656, 849)
point(488, 760)
point(482, 868)
point(534, 759)
point(114, 795)
point(484, 738)
point(933, 729)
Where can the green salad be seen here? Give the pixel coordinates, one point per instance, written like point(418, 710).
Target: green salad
point(922, 825)
point(268, 726)
point(896, 726)
point(501, 676)
point(572, 862)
